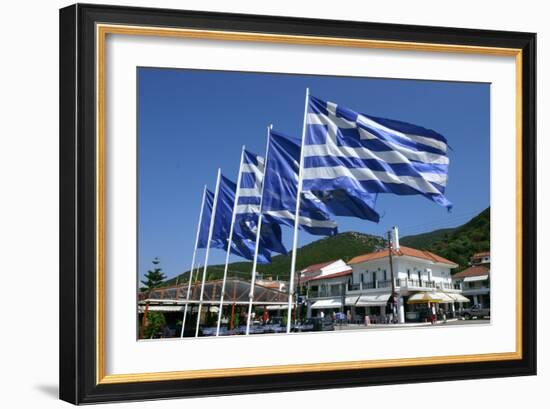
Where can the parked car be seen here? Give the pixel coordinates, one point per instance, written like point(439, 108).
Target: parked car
point(475, 312)
point(306, 325)
point(323, 324)
point(315, 324)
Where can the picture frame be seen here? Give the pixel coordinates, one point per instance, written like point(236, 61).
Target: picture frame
point(83, 248)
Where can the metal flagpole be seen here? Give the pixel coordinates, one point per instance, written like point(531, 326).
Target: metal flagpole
point(258, 235)
point(233, 217)
point(193, 262)
point(393, 293)
point(296, 221)
point(212, 219)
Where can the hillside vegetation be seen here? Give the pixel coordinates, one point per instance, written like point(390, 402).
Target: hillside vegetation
point(457, 244)
point(344, 245)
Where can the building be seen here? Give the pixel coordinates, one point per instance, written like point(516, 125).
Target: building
point(421, 280)
point(483, 258)
point(269, 282)
point(475, 280)
point(324, 286)
point(363, 286)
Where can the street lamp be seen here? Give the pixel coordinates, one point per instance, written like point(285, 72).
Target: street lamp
point(393, 298)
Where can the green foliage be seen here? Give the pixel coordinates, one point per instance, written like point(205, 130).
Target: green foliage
point(345, 246)
point(155, 324)
point(153, 278)
point(457, 244)
point(420, 241)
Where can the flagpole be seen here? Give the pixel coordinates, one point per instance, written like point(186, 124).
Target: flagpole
point(212, 219)
point(258, 235)
point(228, 252)
point(296, 220)
point(193, 262)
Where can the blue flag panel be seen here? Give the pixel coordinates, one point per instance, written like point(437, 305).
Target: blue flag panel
point(205, 220)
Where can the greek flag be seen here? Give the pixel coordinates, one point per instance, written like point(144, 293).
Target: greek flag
point(358, 156)
point(240, 246)
point(248, 206)
point(281, 188)
point(224, 210)
point(205, 220)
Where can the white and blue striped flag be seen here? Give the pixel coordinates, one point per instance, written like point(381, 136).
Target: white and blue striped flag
point(358, 156)
point(280, 190)
point(248, 206)
point(240, 245)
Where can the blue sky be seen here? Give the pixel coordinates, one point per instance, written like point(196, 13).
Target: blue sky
point(190, 122)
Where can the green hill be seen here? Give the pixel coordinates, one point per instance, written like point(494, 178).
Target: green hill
point(344, 245)
point(423, 240)
point(457, 244)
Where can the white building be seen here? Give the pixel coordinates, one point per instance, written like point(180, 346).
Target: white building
point(421, 279)
point(325, 286)
point(475, 280)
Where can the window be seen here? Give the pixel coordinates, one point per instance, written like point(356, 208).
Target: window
point(362, 278)
point(409, 273)
point(385, 275)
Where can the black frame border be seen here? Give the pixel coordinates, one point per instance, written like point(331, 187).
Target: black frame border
point(78, 211)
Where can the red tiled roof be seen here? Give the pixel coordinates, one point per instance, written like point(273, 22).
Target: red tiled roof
point(472, 272)
point(403, 251)
point(333, 275)
point(318, 266)
point(482, 254)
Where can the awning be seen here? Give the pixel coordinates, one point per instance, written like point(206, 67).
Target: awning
point(445, 298)
point(328, 303)
point(476, 278)
point(162, 308)
point(373, 300)
point(422, 298)
point(458, 297)
point(276, 307)
point(351, 300)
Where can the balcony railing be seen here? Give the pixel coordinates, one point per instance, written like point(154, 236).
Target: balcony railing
point(449, 286)
point(370, 285)
point(326, 292)
point(409, 282)
point(403, 282)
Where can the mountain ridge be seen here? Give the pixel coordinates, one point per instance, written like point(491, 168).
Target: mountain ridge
point(455, 243)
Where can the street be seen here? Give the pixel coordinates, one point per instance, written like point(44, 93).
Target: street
point(450, 322)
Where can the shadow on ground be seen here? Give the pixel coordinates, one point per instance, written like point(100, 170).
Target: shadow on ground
point(50, 390)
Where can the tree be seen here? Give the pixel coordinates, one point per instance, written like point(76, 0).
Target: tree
point(153, 278)
point(154, 325)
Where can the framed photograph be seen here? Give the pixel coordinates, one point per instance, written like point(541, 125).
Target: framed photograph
point(259, 203)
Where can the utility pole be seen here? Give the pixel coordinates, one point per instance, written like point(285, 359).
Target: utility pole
point(298, 301)
point(393, 293)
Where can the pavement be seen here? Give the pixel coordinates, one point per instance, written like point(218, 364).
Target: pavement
point(449, 322)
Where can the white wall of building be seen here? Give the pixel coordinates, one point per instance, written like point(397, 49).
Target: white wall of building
point(401, 265)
